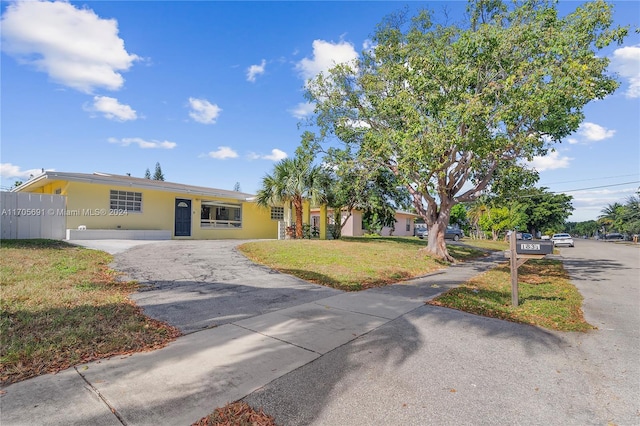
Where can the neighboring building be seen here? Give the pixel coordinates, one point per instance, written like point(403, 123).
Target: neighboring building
point(353, 224)
point(102, 205)
point(404, 225)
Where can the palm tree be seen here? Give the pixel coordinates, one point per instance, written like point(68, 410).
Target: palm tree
point(476, 212)
point(293, 180)
point(611, 216)
point(631, 215)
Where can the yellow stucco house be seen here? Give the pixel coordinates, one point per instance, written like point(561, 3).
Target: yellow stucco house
point(102, 205)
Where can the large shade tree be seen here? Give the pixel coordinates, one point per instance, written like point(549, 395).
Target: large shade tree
point(446, 107)
point(293, 180)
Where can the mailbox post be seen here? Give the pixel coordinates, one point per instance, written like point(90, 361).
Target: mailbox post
point(519, 252)
point(513, 258)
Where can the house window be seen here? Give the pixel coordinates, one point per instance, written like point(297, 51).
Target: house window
point(125, 200)
point(408, 224)
point(58, 191)
point(277, 213)
point(220, 215)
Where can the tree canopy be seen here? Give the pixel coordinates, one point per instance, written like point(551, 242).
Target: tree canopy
point(531, 209)
point(546, 211)
point(348, 187)
point(447, 108)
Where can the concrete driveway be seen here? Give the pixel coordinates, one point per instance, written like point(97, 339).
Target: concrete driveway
point(195, 285)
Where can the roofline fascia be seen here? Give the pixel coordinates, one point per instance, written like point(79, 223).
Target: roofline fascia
point(29, 182)
point(109, 180)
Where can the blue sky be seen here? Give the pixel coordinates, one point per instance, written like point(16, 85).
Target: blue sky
point(214, 91)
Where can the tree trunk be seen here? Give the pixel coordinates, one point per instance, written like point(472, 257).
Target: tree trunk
point(297, 204)
point(437, 227)
point(436, 242)
point(337, 224)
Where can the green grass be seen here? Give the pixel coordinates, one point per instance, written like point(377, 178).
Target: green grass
point(351, 263)
point(489, 245)
point(546, 296)
point(60, 305)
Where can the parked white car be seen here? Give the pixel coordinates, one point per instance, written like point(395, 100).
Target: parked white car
point(562, 240)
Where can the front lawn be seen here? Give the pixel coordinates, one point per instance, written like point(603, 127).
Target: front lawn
point(491, 245)
point(61, 305)
point(546, 296)
point(352, 263)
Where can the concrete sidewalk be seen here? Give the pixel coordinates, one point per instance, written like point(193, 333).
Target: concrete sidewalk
point(188, 379)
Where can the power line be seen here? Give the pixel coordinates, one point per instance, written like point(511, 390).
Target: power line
point(588, 179)
point(598, 187)
point(514, 197)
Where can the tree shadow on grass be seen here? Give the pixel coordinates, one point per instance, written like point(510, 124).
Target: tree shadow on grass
point(413, 241)
point(550, 298)
point(318, 278)
point(37, 243)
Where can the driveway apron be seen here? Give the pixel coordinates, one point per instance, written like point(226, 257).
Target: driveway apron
point(195, 285)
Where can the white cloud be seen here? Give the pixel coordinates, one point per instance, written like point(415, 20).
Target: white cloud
point(357, 124)
point(112, 109)
point(204, 111)
point(8, 170)
point(594, 132)
point(573, 141)
point(626, 61)
point(589, 203)
point(255, 70)
point(276, 155)
point(326, 55)
point(222, 153)
point(75, 47)
point(143, 143)
point(617, 193)
point(302, 110)
point(550, 161)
